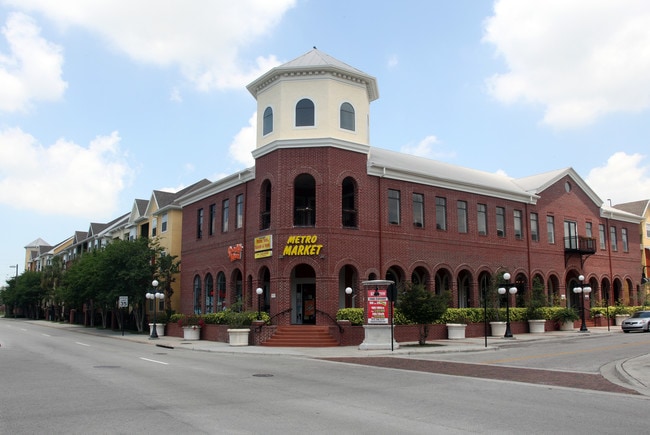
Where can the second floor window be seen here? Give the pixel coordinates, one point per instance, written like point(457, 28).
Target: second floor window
point(349, 203)
point(501, 221)
point(534, 227)
point(239, 220)
point(462, 216)
point(612, 238)
point(624, 239)
point(441, 213)
point(418, 210)
point(265, 206)
point(199, 223)
point(163, 223)
point(519, 230)
point(550, 229)
point(393, 206)
point(304, 201)
point(481, 219)
point(602, 237)
point(225, 211)
point(212, 219)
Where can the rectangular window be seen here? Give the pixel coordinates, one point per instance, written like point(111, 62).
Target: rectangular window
point(418, 210)
point(534, 227)
point(393, 206)
point(501, 221)
point(601, 235)
point(624, 239)
point(481, 219)
point(570, 235)
point(224, 215)
point(441, 213)
point(163, 223)
point(550, 229)
point(519, 230)
point(647, 230)
point(154, 227)
point(588, 230)
point(239, 222)
point(462, 216)
point(199, 223)
point(213, 219)
point(612, 238)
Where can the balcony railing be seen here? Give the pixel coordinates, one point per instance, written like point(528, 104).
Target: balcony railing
point(580, 244)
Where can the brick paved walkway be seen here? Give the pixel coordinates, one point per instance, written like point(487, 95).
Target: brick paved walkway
point(585, 381)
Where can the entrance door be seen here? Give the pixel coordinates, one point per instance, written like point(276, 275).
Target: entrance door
point(306, 304)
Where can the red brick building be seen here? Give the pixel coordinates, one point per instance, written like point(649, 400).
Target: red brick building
point(322, 210)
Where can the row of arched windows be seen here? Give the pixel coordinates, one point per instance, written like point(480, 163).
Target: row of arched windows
point(305, 117)
point(304, 202)
point(206, 299)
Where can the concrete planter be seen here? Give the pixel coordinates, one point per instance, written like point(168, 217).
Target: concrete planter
point(537, 326)
point(238, 337)
point(566, 326)
point(619, 318)
point(191, 332)
point(456, 331)
point(498, 329)
point(160, 329)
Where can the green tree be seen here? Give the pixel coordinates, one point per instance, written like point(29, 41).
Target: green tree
point(50, 282)
point(537, 301)
point(421, 307)
point(167, 269)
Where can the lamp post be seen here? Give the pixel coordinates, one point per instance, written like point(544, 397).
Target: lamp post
point(259, 292)
point(348, 291)
point(154, 296)
point(16, 267)
point(584, 290)
point(502, 291)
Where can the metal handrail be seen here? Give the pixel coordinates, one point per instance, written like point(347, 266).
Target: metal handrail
point(341, 330)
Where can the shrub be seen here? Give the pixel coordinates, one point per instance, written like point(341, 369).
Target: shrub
point(354, 315)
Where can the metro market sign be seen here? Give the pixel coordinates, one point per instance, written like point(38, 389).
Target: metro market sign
point(302, 245)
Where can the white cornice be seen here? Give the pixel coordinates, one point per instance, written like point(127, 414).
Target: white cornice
point(310, 143)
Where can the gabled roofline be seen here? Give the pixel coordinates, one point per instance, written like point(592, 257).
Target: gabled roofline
point(220, 185)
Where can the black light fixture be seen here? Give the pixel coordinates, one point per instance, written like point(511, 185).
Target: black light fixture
point(582, 290)
point(512, 291)
point(154, 296)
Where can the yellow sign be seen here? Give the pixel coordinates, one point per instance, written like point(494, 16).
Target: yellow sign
point(302, 245)
point(263, 243)
point(263, 254)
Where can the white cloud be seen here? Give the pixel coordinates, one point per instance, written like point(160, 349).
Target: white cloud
point(624, 178)
point(202, 37)
point(32, 70)
point(244, 143)
point(393, 61)
point(580, 60)
point(427, 148)
point(64, 178)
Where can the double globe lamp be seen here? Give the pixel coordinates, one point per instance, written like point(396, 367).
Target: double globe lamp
point(154, 296)
point(502, 291)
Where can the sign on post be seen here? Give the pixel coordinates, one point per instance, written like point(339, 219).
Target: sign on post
point(124, 302)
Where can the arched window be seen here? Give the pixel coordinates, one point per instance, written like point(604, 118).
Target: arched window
point(209, 294)
point(197, 295)
point(349, 203)
point(304, 113)
point(265, 206)
point(268, 121)
point(304, 201)
point(347, 116)
point(221, 290)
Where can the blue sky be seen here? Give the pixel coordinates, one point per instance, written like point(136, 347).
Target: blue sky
point(102, 102)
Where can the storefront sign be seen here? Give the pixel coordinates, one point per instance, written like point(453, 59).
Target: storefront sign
point(234, 252)
point(377, 307)
point(302, 245)
point(263, 246)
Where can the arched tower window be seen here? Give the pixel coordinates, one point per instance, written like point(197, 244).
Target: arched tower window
point(268, 121)
point(221, 290)
point(304, 113)
point(349, 203)
point(209, 294)
point(347, 116)
point(304, 201)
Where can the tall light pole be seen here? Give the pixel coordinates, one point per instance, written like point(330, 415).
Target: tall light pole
point(582, 290)
point(16, 266)
point(259, 292)
point(502, 291)
point(154, 296)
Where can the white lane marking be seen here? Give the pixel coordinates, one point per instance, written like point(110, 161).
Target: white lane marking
point(46, 335)
point(82, 344)
point(154, 361)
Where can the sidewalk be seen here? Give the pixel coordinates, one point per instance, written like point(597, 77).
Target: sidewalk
point(631, 373)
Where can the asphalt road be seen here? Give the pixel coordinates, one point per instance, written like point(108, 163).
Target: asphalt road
point(59, 381)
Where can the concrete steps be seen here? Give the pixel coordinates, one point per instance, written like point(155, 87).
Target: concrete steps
point(301, 336)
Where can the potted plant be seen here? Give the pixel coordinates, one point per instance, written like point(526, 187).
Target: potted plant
point(565, 317)
point(535, 309)
point(456, 320)
point(191, 325)
point(621, 313)
point(239, 327)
